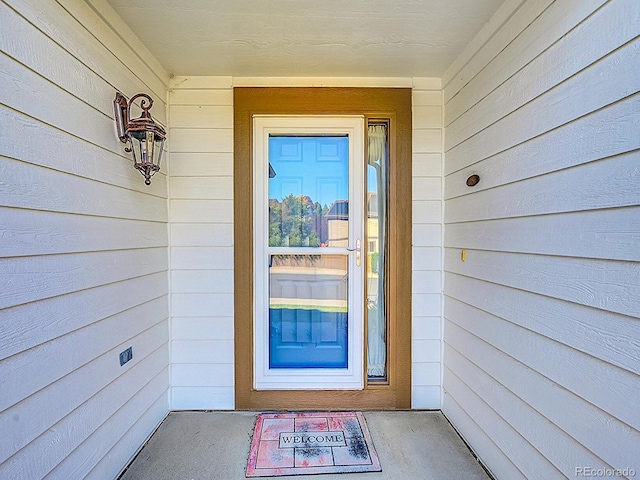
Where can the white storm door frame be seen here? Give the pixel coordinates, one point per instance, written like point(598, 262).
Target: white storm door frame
point(352, 377)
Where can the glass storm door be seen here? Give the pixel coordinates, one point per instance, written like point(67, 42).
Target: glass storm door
point(308, 252)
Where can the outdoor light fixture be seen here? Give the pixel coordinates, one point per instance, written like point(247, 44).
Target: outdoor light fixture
point(144, 136)
point(473, 180)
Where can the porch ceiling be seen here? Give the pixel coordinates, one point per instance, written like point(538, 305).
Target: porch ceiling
point(336, 38)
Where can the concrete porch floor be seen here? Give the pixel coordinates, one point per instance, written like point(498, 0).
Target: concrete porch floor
point(215, 445)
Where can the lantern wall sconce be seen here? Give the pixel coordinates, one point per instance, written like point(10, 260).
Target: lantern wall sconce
point(144, 136)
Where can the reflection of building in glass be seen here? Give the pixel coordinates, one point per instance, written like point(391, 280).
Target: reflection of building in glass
point(338, 225)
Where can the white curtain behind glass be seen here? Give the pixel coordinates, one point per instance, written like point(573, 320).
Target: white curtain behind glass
point(376, 324)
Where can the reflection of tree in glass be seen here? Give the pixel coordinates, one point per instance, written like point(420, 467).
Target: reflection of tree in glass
point(296, 222)
point(275, 227)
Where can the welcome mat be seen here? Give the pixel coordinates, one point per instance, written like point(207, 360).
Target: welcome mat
point(311, 443)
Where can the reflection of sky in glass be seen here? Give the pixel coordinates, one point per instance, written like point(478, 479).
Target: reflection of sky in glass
point(314, 166)
point(372, 179)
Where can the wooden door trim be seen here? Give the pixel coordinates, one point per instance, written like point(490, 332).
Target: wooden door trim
point(392, 103)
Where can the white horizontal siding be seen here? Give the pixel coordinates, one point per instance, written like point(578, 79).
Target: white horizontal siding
point(124, 429)
point(542, 393)
point(541, 322)
point(427, 244)
point(83, 250)
point(201, 230)
point(110, 388)
point(39, 405)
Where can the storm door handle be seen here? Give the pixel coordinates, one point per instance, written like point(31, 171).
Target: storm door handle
point(358, 251)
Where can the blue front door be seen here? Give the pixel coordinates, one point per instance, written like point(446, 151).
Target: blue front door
point(309, 316)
